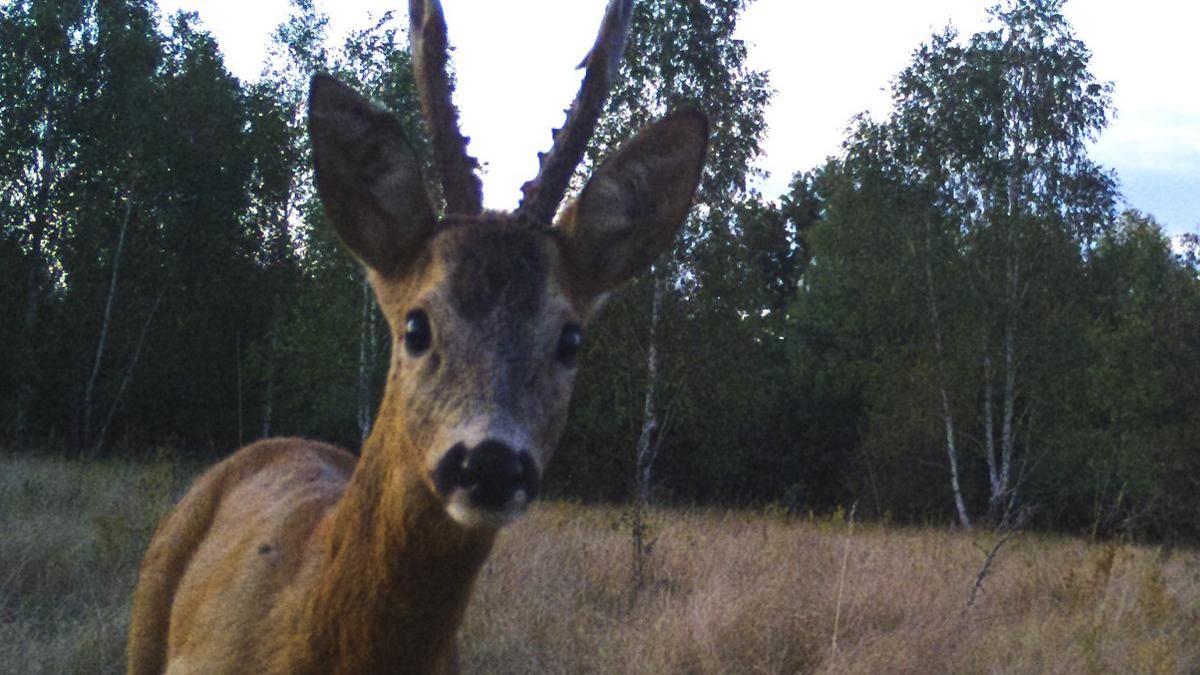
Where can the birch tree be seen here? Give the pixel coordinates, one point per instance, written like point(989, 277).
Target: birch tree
point(998, 130)
point(985, 186)
point(681, 54)
point(342, 344)
point(122, 121)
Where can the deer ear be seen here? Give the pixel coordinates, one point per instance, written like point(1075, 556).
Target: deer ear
point(633, 206)
point(368, 177)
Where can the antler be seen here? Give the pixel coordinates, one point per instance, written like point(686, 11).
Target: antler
point(546, 190)
point(456, 168)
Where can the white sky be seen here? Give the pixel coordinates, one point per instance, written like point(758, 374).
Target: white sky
point(827, 61)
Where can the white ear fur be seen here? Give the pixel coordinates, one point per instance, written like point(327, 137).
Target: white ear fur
point(632, 208)
point(368, 177)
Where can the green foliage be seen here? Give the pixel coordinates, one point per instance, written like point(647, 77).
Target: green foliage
point(970, 285)
point(164, 225)
point(1140, 468)
point(961, 242)
point(683, 55)
point(170, 279)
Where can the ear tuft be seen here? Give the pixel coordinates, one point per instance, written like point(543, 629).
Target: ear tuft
point(368, 177)
point(634, 205)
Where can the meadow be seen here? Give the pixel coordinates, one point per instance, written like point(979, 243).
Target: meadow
point(725, 591)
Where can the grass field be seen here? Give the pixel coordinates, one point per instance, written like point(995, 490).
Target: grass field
point(725, 592)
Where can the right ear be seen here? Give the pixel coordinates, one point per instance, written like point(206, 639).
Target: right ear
point(634, 205)
point(368, 177)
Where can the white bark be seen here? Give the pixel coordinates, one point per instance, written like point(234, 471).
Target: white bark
point(947, 410)
point(647, 444)
point(366, 343)
point(989, 422)
point(101, 343)
point(1000, 502)
point(133, 361)
point(1007, 431)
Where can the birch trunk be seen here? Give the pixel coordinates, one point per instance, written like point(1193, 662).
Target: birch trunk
point(947, 410)
point(647, 444)
point(1008, 435)
point(366, 340)
point(989, 422)
point(1000, 503)
point(133, 361)
point(101, 343)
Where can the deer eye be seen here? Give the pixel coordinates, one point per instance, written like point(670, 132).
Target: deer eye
point(569, 342)
point(417, 333)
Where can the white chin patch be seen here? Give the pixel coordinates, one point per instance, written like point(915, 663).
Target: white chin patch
point(465, 513)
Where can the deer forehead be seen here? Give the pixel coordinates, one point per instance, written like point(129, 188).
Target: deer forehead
point(490, 273)
point(494, 270)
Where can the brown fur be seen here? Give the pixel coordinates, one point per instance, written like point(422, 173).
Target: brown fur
point(290, 556)
point(274, 529)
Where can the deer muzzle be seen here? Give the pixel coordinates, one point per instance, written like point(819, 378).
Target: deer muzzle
point(489, 483)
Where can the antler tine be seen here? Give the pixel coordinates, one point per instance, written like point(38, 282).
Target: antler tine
point(456, 168)
point(542, 194)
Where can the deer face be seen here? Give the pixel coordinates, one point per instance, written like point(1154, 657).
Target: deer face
point(485, 338)
point(486, 312)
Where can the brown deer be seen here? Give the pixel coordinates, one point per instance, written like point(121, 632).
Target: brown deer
point(291, 556)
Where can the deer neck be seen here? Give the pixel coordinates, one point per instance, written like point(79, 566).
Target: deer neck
point(397, 571)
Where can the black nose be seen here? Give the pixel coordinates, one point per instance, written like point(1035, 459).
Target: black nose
point(492, 473)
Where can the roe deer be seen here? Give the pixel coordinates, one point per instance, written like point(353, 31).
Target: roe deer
point(291, 556)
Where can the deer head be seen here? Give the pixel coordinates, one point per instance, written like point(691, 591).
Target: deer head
point(487, 309)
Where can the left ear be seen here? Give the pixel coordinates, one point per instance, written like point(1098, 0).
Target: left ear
point(632, 208)
point(368, 177)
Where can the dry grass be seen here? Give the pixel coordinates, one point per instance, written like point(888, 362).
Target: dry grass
point(734, 592)
point(727, 592)
point(71, 536)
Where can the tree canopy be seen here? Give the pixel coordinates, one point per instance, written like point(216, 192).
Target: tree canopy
point(948, 321)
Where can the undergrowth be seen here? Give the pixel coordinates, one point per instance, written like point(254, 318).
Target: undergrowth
point(721, 591)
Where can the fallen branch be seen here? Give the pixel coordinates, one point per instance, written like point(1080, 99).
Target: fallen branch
point(837, 614)
point(1007, 534)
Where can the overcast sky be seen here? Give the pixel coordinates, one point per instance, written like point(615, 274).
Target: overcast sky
point(827, 61)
